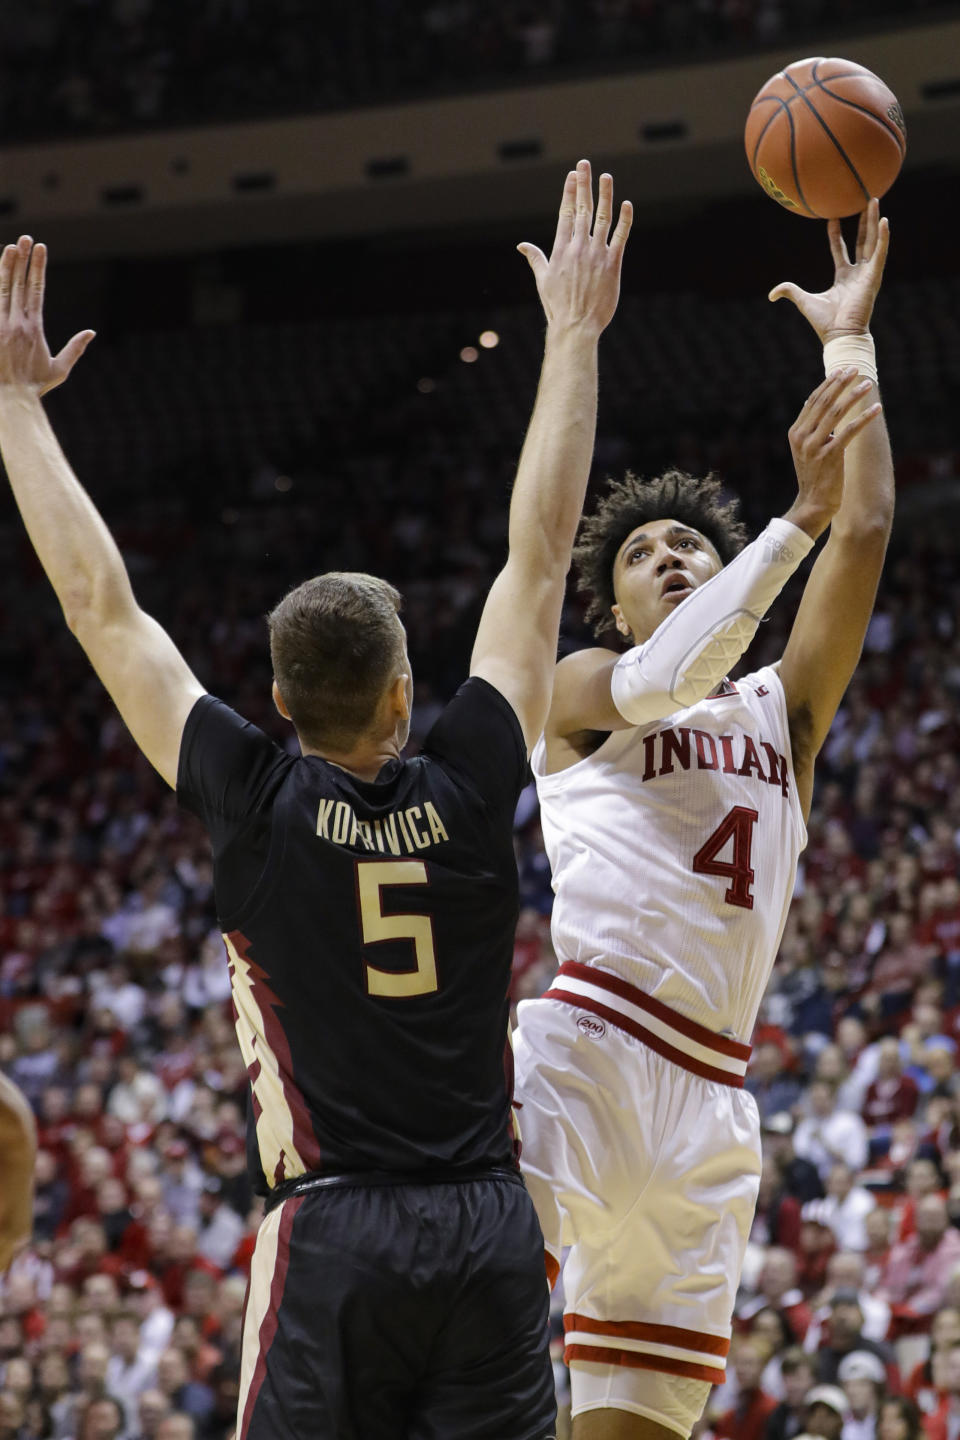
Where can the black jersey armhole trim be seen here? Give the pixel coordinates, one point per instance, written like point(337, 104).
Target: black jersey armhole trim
point(508, 709)
point(190, 727)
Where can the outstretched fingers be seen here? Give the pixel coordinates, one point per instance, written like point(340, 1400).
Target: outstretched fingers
point(867, 230)
point(568, 212)
point(604, 217)
point(836, 405)
point(7, 261)
point(36, 281)
point(838, 246)
point(619, 236)
point(786, 290)
point(878, 256)
point(18, 288)
point(818, 400)
point(581, 227)
point(64, 362)
point(840, 439)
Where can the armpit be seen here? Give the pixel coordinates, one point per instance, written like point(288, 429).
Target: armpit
point(800, 722)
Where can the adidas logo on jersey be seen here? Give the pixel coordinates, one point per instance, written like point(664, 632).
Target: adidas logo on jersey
point(774, 549)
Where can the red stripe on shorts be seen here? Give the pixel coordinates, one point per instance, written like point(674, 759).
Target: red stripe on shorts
point(601, 1355)
point(653, 1042)
point(553, 1268)
point(645, 1330)
point(617, 986)
point(268, 1328)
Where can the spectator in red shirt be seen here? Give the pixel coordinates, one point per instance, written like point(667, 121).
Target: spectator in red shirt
point(925, 1383)
point(892, 1095)
point(918, 1269)
point(923, 1177)
point(747, 1419)
point(900, 965)
point(776, 1220)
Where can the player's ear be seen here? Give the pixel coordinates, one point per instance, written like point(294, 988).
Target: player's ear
point(622, 625)
point(399, 696)
point(279, 702)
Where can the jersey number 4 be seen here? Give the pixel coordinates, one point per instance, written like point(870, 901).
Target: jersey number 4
point(737, 825)
point(372, 876)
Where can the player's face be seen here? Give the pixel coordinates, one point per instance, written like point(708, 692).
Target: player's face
point(656, 568)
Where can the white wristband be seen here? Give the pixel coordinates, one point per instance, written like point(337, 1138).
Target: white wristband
point(847, 350)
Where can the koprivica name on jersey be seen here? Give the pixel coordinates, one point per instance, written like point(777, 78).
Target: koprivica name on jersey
point(674, 849)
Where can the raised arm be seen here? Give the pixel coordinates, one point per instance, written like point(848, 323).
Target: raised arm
point(516, 644)
point(831, 623)
point(694, 646)
point(150, 682)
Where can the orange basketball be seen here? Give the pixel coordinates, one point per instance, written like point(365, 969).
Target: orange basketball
point(823, 136)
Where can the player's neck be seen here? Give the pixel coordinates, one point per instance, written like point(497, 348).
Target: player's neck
point(364, 760)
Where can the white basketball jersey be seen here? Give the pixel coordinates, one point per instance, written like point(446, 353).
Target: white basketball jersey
point(674, 848)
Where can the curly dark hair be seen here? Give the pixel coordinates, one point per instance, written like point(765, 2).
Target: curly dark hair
point(634, 501)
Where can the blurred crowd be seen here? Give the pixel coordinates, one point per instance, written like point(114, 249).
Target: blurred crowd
point(90, 66)
point(122, 1320)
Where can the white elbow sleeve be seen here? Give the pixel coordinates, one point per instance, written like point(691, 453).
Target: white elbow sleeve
point(691, 651)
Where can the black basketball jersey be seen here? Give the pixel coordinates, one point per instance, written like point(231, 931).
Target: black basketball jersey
point(369, 928)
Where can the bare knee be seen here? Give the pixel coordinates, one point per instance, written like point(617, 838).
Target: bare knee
point(619, 1425)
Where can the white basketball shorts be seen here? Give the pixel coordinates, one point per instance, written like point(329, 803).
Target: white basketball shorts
point(642, 1154)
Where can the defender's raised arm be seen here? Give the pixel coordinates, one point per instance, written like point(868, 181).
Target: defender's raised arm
point(147, 677)
point(579, 286)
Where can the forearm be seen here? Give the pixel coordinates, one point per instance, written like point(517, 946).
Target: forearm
point(554, 466)
point(866, 510)
point(72, 542)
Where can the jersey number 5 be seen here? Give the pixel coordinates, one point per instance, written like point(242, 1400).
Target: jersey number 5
point(372, 875)
point(737, 825)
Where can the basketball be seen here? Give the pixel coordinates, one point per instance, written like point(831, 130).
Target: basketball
point(823, 136)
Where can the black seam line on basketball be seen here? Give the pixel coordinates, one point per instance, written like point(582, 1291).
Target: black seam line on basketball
point(815, 76)
point(784, 106)
point(826, 128)
point(887, 125)
point(793, 151)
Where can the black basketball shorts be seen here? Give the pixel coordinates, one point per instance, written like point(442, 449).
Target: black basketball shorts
point(412, 1311)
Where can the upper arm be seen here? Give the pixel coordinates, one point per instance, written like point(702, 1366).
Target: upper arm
point(516, 646)
point(582, 700)
point(148, 680)
point(827, 638)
